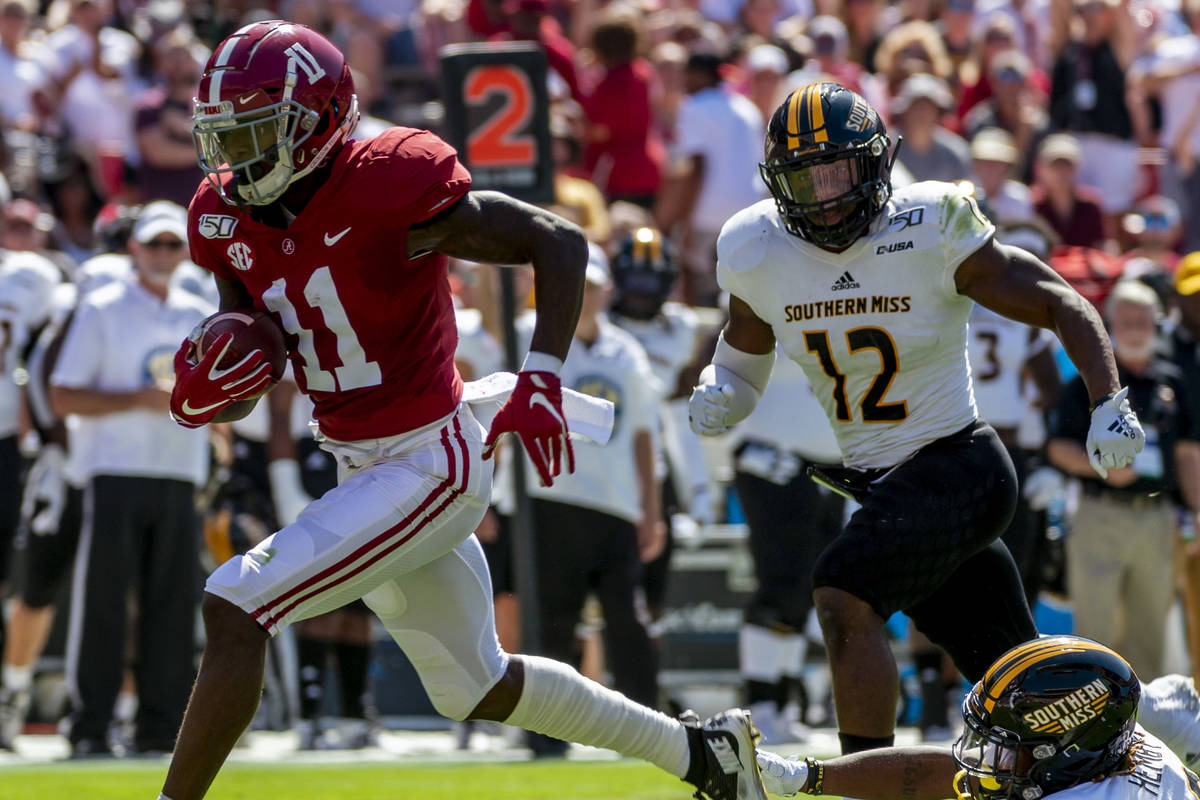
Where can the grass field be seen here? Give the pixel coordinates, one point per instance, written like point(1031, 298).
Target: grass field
point(131, 780)
point(372, 781)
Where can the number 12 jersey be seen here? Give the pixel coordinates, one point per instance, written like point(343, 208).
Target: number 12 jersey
point(880, 329)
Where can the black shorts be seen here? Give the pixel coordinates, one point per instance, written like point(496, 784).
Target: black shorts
point(499, 557)
point(48, 559)
point(922, 520)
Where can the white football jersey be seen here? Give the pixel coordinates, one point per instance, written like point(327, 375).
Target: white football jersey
point(27, 283)
point(997, 348)
point(880, 329)
point(669, 340)
point(1157, 774)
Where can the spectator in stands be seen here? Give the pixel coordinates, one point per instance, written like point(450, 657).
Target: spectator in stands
point(1012, 106)
point(95, 69)
point(1087, 99)
point(1074, 216)
point(624, 155)
point(1154, 229)
point(142, 469)
point(718, 144)
point(930, 152)
point(530, 21)
point(22, 74)
point(766, 66)
point(863, 21)
point(1171, 74)
point(909, 49)
point(168, 168)
point(584, 202)
point(669, 60)
point(1121, 550)
point(26, 227)
point(830, 56)
point(955, 21)
point(993, 38)
point(993, 159)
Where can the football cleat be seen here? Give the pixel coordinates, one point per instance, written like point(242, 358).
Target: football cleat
point(1170, 709)
point(728, 769)
point(14, 705)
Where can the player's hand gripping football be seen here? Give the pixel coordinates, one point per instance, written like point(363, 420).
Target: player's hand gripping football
point(1115, 436)
point(708, 408)
point(202, 388)
point(534, 412)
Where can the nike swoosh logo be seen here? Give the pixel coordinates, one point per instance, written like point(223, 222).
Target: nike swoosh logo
point(330, 241)
point(246, 98)
point(188, 409)
point(541, 400)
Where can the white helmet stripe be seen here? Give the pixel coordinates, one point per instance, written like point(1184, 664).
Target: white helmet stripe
point(214, 85)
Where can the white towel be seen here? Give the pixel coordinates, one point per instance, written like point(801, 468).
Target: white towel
point(589, 418)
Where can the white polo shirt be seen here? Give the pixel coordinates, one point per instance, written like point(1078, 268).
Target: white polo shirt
point(123, 338)
point(616, 368)
point(27, 283)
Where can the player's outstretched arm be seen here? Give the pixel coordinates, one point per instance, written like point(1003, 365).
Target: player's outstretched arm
point(890, 773)
point(1015, 283)
point(493, 228)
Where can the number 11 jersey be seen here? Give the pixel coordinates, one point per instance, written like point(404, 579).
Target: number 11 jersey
point(370, 333)
point(879, 328)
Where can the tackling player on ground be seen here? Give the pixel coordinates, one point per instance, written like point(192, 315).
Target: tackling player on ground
point(345, 243)
point(869, 292)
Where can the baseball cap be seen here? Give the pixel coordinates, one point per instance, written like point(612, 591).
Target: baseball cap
point(994, 144)
point(827, 30)
point(1059, 147)
point(160, 216)
point(597, 266)
point(1187, 274)
point(923, 85)
point(29, 212)
point(767, 58)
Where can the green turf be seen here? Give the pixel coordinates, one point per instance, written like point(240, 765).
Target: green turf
point(128, 780)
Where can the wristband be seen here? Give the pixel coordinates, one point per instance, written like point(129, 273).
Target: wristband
point(541, 362)
point(1092, 408)
point(816, 777)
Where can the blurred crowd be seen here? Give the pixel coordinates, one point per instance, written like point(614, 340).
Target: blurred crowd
point(1078, 122)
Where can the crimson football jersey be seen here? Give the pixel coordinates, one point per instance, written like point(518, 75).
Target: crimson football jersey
point(370, 332)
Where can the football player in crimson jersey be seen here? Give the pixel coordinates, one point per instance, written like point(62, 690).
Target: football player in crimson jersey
point(345, 243)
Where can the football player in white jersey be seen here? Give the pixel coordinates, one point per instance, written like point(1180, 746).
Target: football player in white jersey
point(869, 292)
point(1052, 718)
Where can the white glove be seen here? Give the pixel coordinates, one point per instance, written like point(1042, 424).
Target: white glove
point(781, 776)
point(1042, 486)
point(708, 409)
point(287, 492)
point(1115, 436)
point(45, 491)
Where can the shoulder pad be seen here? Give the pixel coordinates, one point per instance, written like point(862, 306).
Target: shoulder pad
point(742, 244)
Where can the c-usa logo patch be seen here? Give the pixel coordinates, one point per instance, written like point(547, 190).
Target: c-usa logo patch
point(217, 226)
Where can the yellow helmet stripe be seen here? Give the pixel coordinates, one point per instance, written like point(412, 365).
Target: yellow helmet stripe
point(1026, 656)
point(816, 113)
point(793, 120)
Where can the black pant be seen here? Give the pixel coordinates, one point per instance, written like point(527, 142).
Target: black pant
point(10, 501)
point(925, 543)
point(581, 550)
point(139, 535)
point(790, 524)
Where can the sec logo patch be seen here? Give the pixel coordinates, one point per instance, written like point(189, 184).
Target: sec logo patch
point(240, 255)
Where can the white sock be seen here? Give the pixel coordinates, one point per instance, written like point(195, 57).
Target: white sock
point(762, 653)
point(163, 797)
point(559, 702)
point(17, 679)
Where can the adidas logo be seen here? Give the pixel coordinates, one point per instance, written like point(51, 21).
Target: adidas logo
point(725, 749)
point(846, 281)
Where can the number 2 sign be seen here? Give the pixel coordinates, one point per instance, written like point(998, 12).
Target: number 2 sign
point(497, 116)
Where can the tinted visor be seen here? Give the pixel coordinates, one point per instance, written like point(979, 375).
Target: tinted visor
point(818, 184)
point(996, 762)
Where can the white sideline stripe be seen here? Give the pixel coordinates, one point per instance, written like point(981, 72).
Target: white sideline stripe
point(214, 86)
point(78, 593)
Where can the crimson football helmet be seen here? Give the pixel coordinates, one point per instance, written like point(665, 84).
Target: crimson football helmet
point(276, 100)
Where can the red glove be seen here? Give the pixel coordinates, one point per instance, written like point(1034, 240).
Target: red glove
point(534, 412)
point(203, 389)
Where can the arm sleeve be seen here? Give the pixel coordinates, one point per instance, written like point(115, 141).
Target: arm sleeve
point(1071, 419)
point(82, 351)
point(963, 228)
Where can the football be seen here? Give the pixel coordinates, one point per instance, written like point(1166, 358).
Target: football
point(252, 330)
